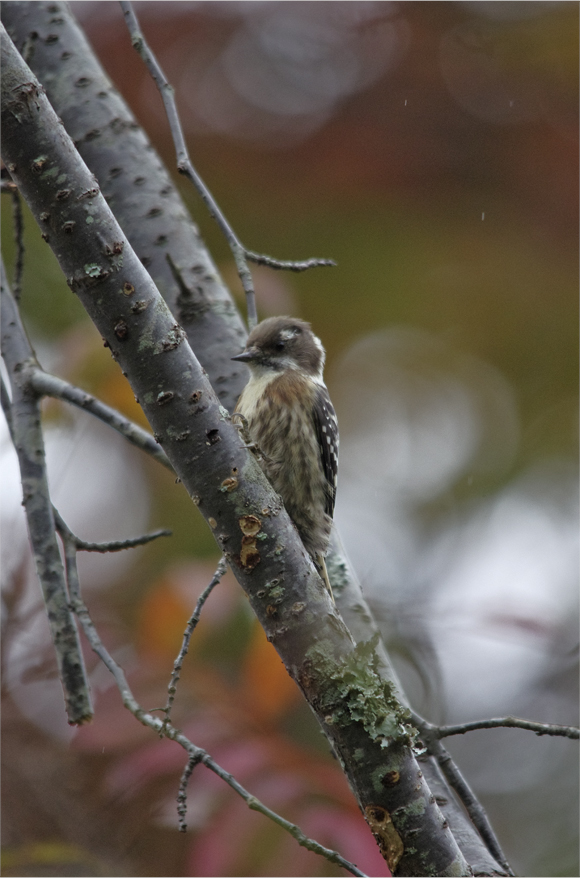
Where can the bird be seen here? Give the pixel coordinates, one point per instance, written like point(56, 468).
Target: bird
point(287, 412)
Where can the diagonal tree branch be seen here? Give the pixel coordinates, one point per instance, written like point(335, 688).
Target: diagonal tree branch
point(163, 727)
point(190, 628)
point(473, 806)
point(18, 223)
point(50, 385)
point(25, 427)
point(108, 137)
point(358, 712)
point(430, 737)
point(116, 546)
point(480, 854)
point(184, 165)
point(135, 184)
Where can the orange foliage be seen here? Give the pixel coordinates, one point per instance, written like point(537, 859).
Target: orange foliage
point(268, 685)
point(162, 619)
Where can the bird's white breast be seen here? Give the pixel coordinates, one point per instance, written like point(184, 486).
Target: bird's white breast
point(253, 391)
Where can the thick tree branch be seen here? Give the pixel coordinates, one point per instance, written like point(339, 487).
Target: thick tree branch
point(480, 855)
point(135, 184)
point(163, 727)
point(240, 253)
point(24, 422)
point(358, 711)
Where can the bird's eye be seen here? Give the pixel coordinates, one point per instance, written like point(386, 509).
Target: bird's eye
point(280, 345)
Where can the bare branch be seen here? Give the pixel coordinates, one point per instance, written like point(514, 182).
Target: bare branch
point(137, 186)
point(359, 618)
point(164, 728)
point(116, 546)
point(18, 222)
point(26, 430)
point(429, 736)
point(182, 794)
point(508, 722)
point(472, 804)
point(191, 626)
point(50, 385)
point(184, 165)
point(120, 545)
point(295, 831)
point(262, 259)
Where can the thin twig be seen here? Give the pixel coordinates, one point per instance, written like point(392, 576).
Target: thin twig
point(294, 830)
point(278, 264)
point(10, 188)
point(114, 546)
point(190, 628)
point(49, 385)
point(510, 722)
point(182, 794)
point(184, 166)
point(474, 808)
point(18, 222)
point(164, 728)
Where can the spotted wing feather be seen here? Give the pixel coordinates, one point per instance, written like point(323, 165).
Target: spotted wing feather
point(326, 425)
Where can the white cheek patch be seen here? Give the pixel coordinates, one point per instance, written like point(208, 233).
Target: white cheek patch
point(318, 344)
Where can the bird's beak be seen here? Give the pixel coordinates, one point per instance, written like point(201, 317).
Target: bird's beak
point(247, 356)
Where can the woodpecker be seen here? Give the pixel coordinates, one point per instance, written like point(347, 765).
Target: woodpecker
point(291, 419)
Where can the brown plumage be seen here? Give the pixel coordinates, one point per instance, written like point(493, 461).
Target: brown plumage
point(291, 419)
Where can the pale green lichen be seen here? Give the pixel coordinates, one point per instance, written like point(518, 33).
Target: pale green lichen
point(92, 269)
point(352, 692)
point(337, 572)
point(146, 341)
point(456, 868)
point(377, 777)
point(416, 808)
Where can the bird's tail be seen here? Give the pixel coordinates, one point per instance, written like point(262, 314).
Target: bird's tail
point(321, 564)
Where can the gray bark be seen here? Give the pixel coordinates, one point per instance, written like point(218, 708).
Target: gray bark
point(358, 710)
point(136, 185)
point(26, 430)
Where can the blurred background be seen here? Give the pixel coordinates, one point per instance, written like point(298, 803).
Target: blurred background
point(432, 150)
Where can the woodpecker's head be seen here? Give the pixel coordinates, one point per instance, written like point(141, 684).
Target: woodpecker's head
point(281, 343)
